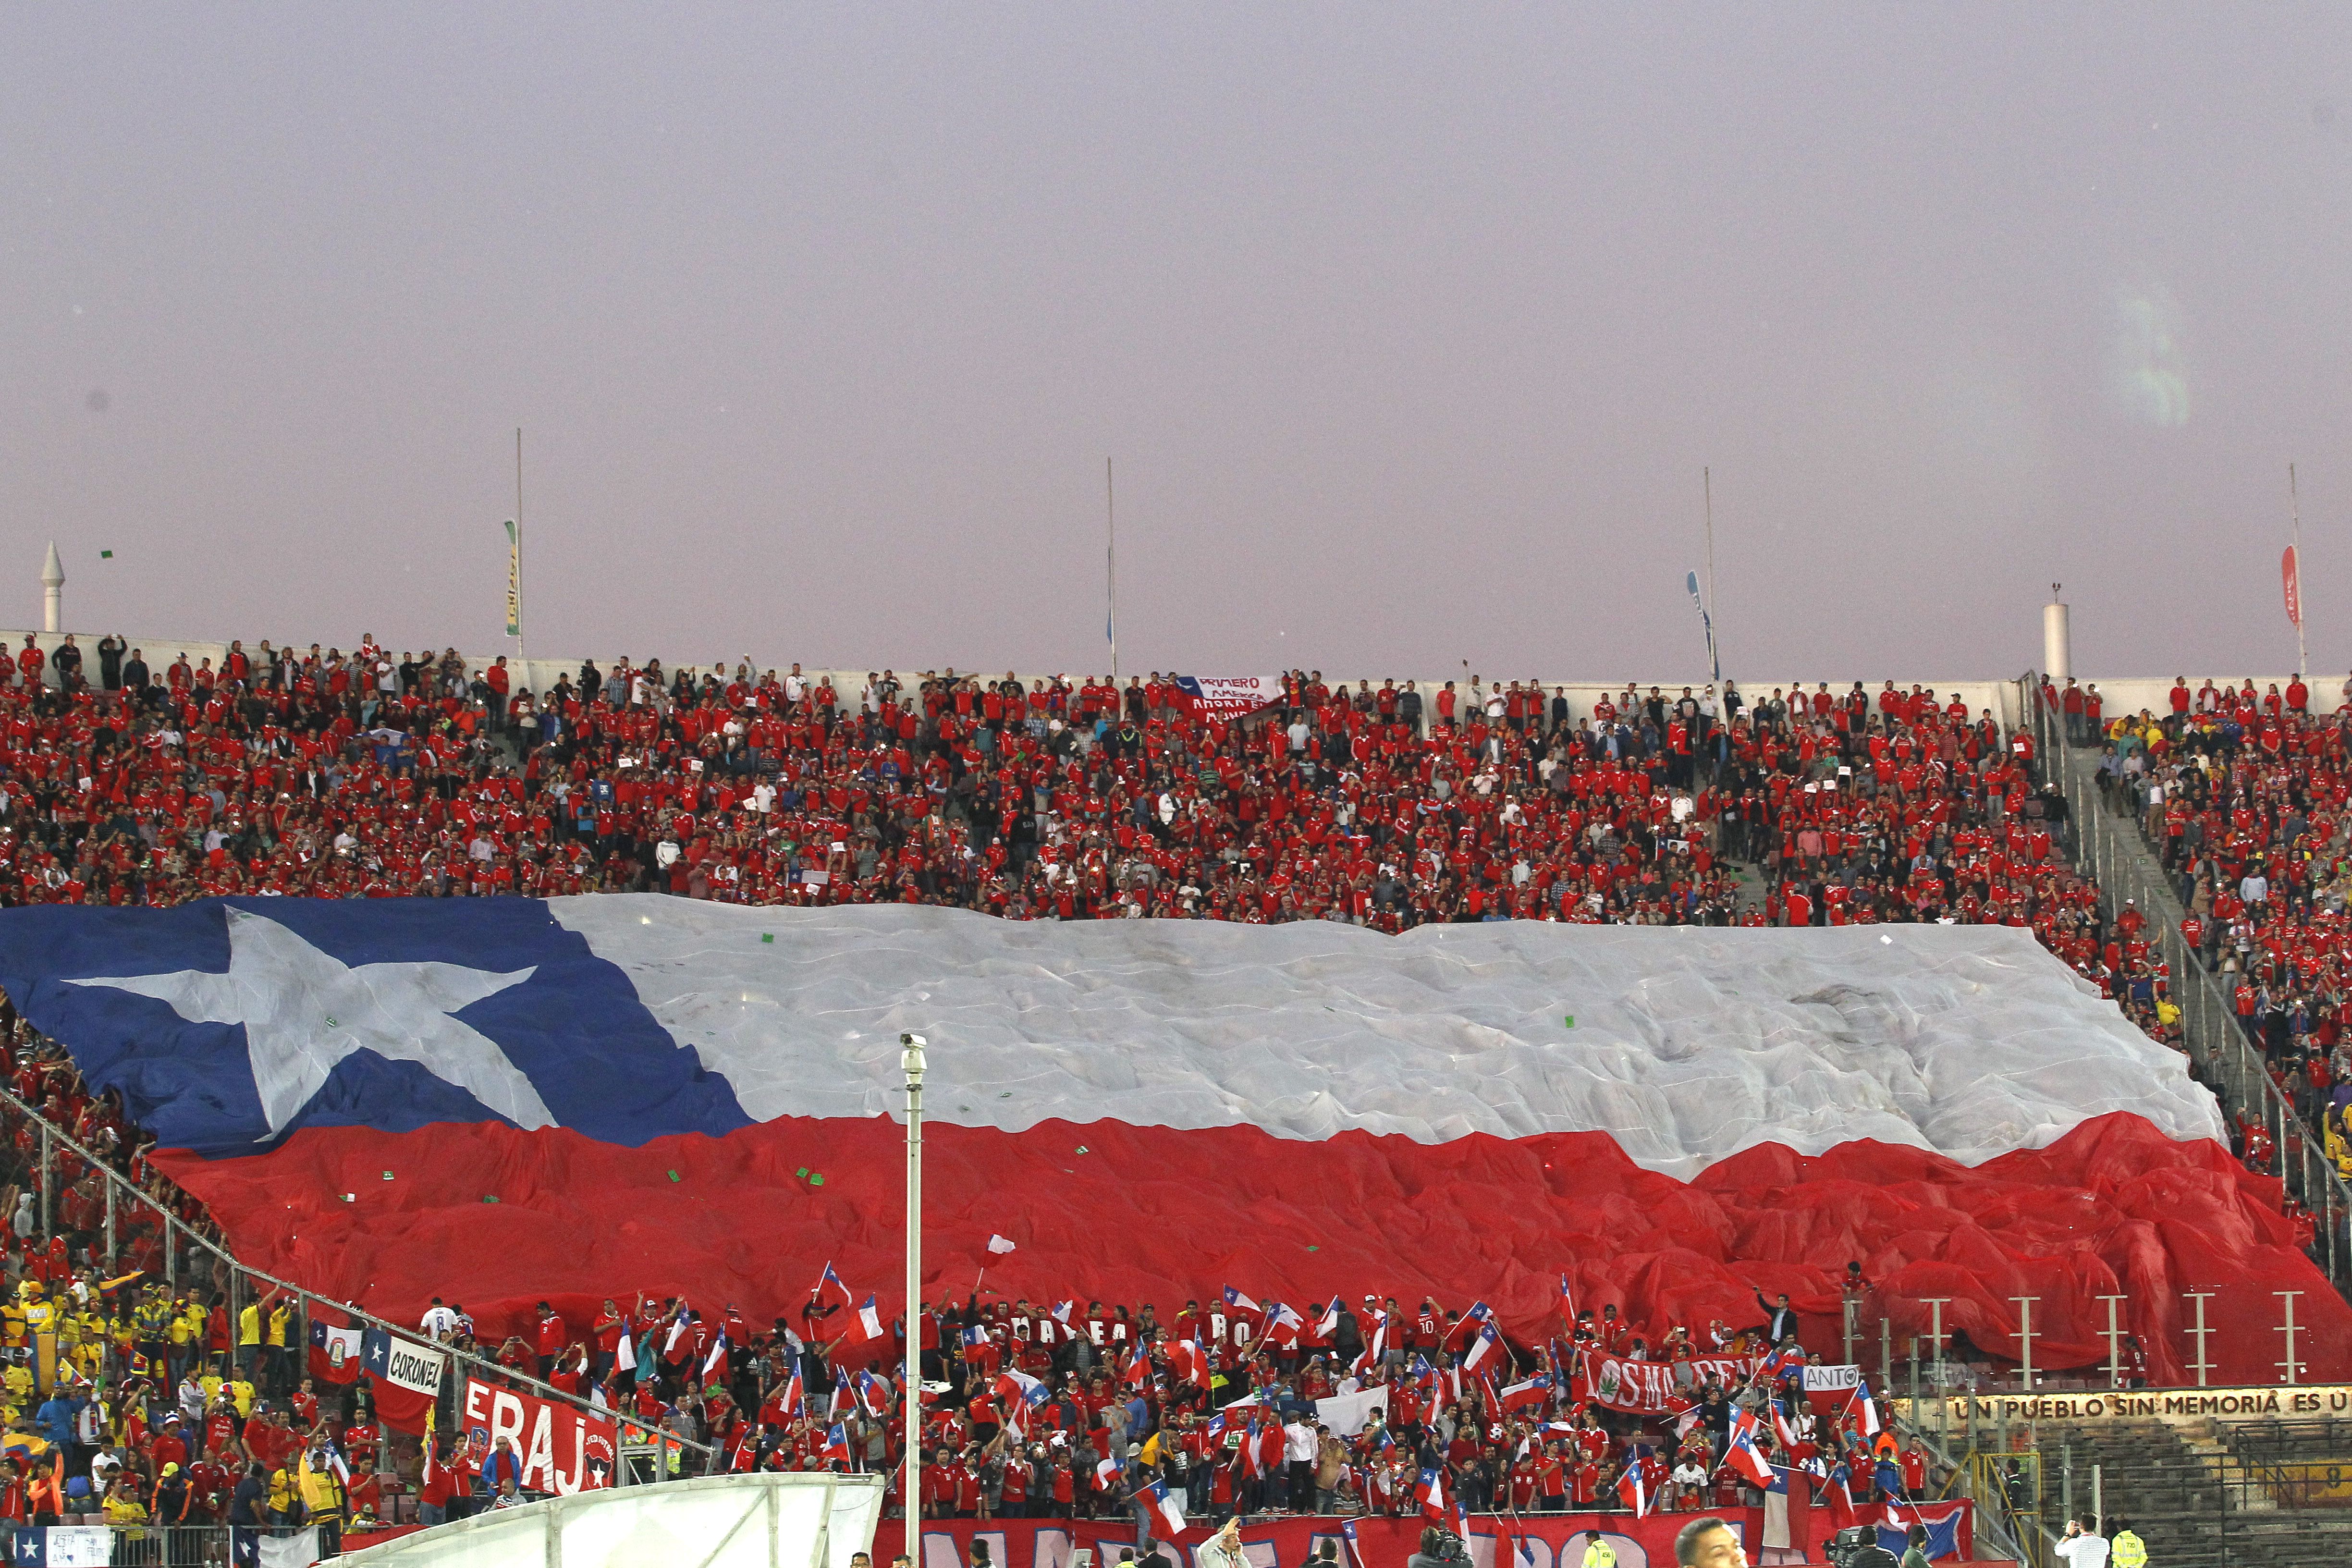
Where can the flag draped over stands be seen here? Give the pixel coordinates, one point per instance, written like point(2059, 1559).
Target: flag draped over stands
point(501, 1100)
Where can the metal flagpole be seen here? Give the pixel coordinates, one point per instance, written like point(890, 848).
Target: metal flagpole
point(911, 1060)
point(514, 562)
point(1706, 479)
point(1110, 542)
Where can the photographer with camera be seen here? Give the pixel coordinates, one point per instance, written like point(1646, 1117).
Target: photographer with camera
point(1858, 1548)
point(1439, 1549)
point(2083, 1548)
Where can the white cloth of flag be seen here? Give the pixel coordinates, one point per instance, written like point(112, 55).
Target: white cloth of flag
point(869, 1317)
point(999, 1244)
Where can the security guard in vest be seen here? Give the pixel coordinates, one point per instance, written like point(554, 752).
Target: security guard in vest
point(1599, 1554)
point(2126, 1550)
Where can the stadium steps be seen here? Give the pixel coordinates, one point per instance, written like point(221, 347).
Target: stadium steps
point(2189, 1492)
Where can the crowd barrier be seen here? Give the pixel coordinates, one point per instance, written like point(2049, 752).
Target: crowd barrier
point(182, 1256)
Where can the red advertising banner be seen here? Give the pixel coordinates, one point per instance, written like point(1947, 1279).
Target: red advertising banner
point(564, 1449)
point(1552, 1540)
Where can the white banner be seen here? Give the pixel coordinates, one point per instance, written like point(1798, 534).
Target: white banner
point(403, 1364)
point(1833, 1379)
point(75, 1545)
point(1349, 1414)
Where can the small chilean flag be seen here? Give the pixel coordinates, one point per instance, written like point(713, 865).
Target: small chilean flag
point(1629, 1489)
point(999, 1244)
point(829, 1281)
point(868, 1318)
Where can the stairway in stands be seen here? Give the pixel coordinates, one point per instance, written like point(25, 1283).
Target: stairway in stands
point(2202, 1495)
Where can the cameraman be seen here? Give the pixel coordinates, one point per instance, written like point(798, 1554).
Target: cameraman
point(2083, 1548)
point(1439, 1549)
point(1858, 1548)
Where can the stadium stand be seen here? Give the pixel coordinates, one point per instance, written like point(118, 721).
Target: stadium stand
point(323, 775)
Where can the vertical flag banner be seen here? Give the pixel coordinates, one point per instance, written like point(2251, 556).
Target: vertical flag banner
point(2291, 576)
point(514, 579)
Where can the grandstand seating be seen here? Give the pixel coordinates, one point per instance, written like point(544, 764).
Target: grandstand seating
point(332, 777)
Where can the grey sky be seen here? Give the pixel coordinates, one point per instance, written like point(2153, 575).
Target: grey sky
point(1410, 329)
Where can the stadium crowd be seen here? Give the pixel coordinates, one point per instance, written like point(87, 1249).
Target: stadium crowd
point(324, 775)
point(2242, 797)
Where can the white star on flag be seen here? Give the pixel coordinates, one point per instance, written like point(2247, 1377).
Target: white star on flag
point(304, 1011)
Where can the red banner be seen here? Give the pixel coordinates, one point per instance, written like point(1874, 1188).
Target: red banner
point(565, 1448)
point(1553, 1540)
point(1645, 1387)
point(1228, 697)
point(2291, 574)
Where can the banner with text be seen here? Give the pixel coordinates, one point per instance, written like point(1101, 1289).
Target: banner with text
point(404, 1377)
point(1228, 696)
point(1641, 1387)
point(564, 1448)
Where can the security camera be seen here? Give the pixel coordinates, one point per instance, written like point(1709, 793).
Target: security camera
point(913, 1040)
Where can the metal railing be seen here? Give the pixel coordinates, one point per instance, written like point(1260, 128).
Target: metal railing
point(185, 1249)
point(2116, 857)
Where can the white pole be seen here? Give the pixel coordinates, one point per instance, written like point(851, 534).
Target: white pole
point(2115, 1343)
point(53, 592)
point(2098, 1503)
point(2294, 511)
point(2291, 1369)
point(2057, 638)
point(515, 566)
point(1110, 563)
point(1714, 652)
point(2198, 1332)
point(912, 1062)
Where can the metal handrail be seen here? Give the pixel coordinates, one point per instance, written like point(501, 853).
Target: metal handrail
point(2124, 868)
point(53, 1135)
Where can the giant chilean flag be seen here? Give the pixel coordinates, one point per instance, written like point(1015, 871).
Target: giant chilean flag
point(504, 1101)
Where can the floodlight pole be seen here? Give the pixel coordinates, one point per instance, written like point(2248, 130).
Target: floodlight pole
point(912, 1061)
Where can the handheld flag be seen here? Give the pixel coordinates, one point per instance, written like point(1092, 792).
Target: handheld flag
point(1429, 1493)
point(1484, 1346)
point(1330, 1321)
point(1742, 1454)
point(1869, 1409)
point(999, 1244)
point(1284, 1326)
point(1629, 1489)
point(1238, 1302)
point(1527, 1396)
point(869, 1317)
point(1171, 1511)
point(1354, 1550)
point(830, 1281)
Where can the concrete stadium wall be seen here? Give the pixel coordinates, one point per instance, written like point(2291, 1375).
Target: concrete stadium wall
point(762, 1521)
